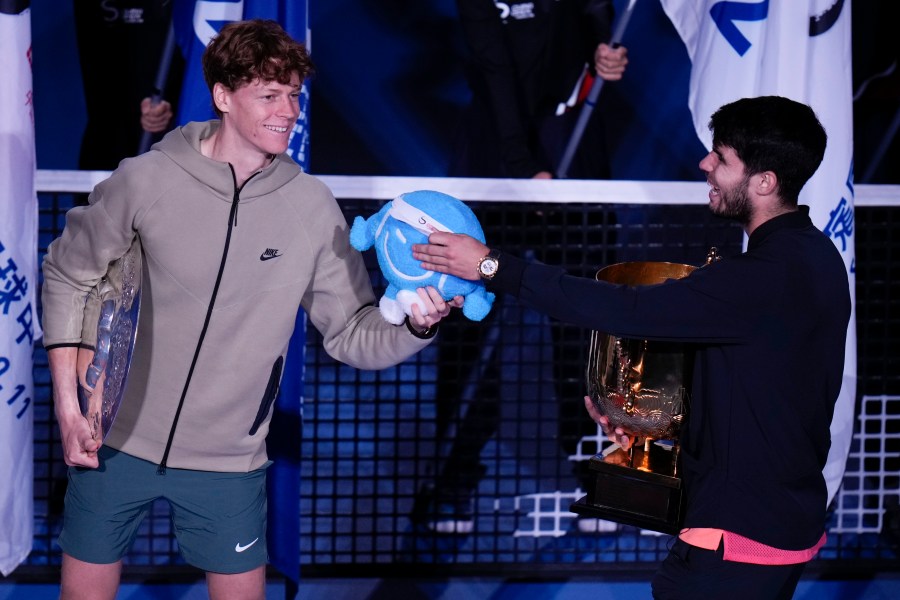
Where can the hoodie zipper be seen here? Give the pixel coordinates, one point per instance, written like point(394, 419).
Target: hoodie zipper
point(232, 223)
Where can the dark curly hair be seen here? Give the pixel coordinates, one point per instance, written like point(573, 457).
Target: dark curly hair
point(245, 51)
point(771, 133)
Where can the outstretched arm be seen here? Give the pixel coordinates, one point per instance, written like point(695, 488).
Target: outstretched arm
point(454, 253)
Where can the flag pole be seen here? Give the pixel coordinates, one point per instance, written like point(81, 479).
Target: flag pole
point(162, 74)
point(591, 100)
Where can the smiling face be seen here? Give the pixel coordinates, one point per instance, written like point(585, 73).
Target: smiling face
point(395, 248)
point(258, 117)
point(729, 184)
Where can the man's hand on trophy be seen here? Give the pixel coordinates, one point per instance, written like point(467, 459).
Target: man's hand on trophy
point(79, 445)
point(618, 435)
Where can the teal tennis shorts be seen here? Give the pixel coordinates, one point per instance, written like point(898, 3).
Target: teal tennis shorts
point(219, 519)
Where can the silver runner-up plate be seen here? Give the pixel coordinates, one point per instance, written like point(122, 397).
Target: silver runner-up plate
point(109, 330)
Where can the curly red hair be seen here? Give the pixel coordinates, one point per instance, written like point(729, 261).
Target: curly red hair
point(258, 49)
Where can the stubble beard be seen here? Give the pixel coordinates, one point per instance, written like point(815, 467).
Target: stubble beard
point(734, 203)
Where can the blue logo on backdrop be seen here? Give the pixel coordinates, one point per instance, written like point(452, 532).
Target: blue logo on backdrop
point(724, 14)
point(819, 24)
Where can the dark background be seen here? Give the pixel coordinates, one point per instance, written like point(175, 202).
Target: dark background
point(387, 100)
point(391, 86)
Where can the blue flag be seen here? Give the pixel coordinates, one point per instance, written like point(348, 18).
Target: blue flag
point(195, 23)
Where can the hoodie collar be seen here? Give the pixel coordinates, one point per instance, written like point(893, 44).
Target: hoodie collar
point(182, 146)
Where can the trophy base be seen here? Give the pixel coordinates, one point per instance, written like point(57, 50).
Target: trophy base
point(633, 497)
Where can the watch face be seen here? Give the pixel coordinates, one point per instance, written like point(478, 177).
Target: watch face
point(488, 267)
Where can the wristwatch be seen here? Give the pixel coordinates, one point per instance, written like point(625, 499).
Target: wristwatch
point(488, 265)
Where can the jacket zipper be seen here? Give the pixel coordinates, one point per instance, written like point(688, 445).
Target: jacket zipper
point(232, 223)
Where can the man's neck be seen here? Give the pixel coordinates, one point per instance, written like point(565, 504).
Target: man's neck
point(764, 215)
point(245, 164)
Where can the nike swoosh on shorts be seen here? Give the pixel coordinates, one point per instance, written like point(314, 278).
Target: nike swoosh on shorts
point(239, 548)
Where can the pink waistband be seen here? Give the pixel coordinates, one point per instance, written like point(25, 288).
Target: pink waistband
point(738, 548)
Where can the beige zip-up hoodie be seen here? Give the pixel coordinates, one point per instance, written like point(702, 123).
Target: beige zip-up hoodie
point(282, 245)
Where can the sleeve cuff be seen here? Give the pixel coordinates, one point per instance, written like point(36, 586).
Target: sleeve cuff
point(509, 274)
point(422, 335)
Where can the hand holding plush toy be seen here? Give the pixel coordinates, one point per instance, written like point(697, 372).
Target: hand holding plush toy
point(409, 219)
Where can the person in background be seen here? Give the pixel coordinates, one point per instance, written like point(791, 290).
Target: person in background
point(531, 65)
point(120, 44)
point(235, 239)
point(768, 328)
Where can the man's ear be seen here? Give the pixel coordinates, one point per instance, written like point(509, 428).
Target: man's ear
point(766, 183)
point(221, 96)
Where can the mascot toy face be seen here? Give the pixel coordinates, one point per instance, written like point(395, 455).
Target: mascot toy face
point(409, 219)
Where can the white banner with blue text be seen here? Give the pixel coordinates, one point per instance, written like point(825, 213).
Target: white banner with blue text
point(799, 50)
point(18, 280)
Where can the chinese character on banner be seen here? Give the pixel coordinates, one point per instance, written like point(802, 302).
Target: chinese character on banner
point(18, 276)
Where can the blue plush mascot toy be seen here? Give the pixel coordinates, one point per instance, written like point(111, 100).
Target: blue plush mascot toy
point(409, 219)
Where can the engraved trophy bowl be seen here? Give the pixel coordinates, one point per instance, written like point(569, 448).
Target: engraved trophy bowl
point(109, 330)
point(639, 384)
point(643, 387)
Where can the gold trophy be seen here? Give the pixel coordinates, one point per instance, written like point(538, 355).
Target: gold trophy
point(642, 386)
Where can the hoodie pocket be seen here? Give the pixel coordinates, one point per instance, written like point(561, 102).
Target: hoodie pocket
point(269, 397)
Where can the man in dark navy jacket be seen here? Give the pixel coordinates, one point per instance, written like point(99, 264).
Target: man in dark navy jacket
point(769, 328)
point(530, 63)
